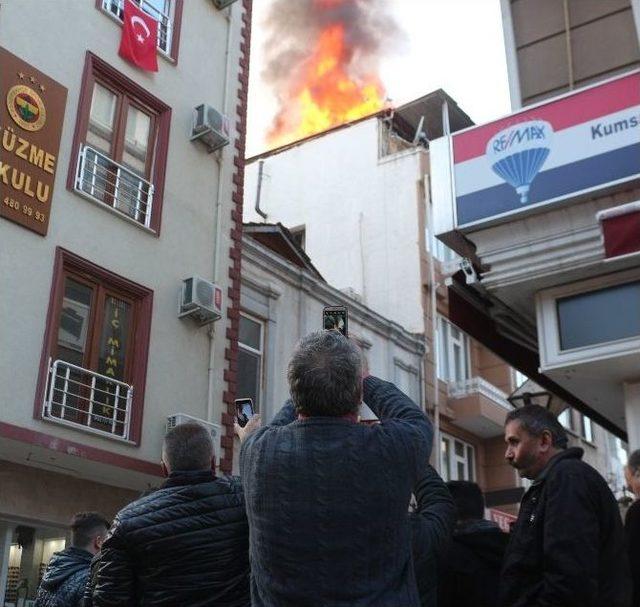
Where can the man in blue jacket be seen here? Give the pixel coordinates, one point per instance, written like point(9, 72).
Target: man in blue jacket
point(68, 571)
point(326, 497)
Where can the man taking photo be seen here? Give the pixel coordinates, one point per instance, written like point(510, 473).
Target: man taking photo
point(567, 546)
point(327, 498)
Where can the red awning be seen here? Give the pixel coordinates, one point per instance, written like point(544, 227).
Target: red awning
point(621, 229)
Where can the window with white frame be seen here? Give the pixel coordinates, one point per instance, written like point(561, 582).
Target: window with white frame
point(586, 428)
point(250, 359)
point(453, 352)
point(566, 419)
point(457, 459)
point(163, 11)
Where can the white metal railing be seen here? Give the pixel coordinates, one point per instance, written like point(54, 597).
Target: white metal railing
point(165, 27)
point(113, 184)
point(79, 397)
point(478, 385)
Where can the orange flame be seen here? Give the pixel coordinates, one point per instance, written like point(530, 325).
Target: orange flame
point(325, 95)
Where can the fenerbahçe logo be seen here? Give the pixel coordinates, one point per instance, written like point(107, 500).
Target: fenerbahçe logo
point(26, 107)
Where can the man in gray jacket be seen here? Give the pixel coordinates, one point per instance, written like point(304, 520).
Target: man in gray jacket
point(327, 497)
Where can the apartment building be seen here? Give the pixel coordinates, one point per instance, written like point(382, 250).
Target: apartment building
point(551, 242)
point(119, 255)
point(357, 198)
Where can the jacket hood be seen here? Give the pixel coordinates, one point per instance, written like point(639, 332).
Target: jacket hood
point(485, 539)
point(64, 564)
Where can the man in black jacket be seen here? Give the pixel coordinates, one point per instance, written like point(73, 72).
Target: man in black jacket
point(185, 544)
point(68, 571)
point(632, 522)
point(469, 573)
point(327, 498)
point(567, 547)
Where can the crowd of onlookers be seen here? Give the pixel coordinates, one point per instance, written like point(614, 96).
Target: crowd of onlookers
point(331, 512)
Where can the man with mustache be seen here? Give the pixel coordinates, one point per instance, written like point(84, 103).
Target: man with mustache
point(567, 547)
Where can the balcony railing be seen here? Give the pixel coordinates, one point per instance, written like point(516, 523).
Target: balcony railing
point(113, 184)
point(165, 27)
point(478, 385)
point(82, 398)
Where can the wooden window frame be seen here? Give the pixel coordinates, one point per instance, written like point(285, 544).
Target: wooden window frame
point(69, 264)
point(99, 71)
point(172, 56)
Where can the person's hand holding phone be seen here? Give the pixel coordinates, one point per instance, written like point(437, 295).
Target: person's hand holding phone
point(252, 425)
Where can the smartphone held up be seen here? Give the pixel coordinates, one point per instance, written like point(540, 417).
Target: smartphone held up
point(336, 318)
point(244, 411)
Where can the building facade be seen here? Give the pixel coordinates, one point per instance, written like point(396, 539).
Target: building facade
point(552, 243)
point(282, 299)
point(111, 198)
point(358, 197)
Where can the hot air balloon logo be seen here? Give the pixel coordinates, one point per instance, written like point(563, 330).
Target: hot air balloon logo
point(518, 152)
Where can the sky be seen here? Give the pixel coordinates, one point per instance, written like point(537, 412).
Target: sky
point(456, 45)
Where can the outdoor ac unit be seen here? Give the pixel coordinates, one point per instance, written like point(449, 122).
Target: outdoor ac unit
point(201, 300)
point(214, 429)
point(210, 126)
point(220, 4)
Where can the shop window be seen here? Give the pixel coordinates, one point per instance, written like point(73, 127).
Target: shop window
point(30, 549)
point(168, 14)
point(453, 353)
point(250, 359)
point(96, 349)
point(121, 141)
point(457, 459)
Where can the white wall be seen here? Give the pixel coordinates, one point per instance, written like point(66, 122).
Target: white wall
point(54, 37)
point(360, 213)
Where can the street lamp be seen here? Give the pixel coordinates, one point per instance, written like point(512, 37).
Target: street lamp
point(530, 393)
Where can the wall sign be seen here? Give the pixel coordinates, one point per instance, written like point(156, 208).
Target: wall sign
point(31, 115)
point(582, 142)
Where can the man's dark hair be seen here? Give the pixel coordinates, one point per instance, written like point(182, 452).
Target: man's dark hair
point(634, 461)
point(325, 375)
point(187, 447)
point(536, 419)
point(85, 526)
point(468, 499)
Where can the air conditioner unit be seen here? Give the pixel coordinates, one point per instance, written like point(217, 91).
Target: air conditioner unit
point(210, 126)
point(201, 300)
point(220, 4)
point(215, 430)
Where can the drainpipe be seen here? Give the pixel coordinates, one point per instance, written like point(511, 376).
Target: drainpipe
point(434, 326)
point(218, 228)
point(259, 211)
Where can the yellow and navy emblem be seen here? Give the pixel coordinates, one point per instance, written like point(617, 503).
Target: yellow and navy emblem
point(26, 107)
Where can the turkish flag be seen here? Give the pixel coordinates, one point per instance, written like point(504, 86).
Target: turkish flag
point(139, 38)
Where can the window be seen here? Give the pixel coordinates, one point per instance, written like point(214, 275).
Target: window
point(457, 459)
point(250, 359)
point(121, 138)
point(453, 353)
point(95, 349)
point(600, 316)
point(168, 14)
point(586, 428)
point(519, 378)
point(406, 379)
point(566, 419)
